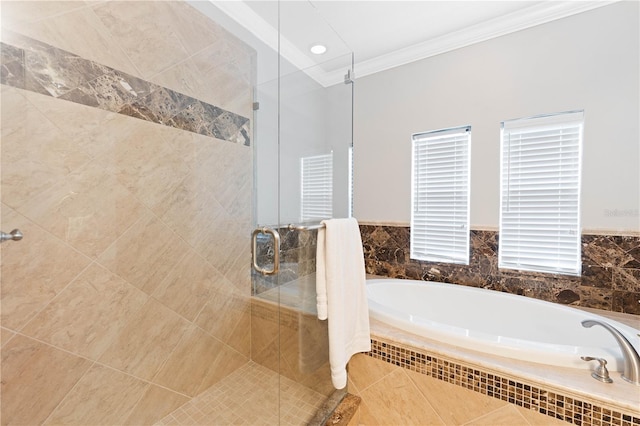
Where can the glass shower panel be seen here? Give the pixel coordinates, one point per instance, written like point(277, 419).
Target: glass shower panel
point(315, 141)
point(309, 145)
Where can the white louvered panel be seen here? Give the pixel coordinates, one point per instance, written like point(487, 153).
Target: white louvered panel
point(540, 194)
point(440, 196)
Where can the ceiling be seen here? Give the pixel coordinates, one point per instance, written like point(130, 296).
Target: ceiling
point(386, 34)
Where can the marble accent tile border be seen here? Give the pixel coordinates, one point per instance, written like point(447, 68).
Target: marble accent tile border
point(554, 404)
point(610, 269)
point(44, 69)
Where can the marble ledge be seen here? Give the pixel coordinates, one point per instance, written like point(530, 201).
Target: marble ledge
point(570, 381)
point(383, 223)
point(631, 320)
point(489, 228)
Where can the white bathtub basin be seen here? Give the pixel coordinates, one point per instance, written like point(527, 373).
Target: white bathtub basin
point(496, 323)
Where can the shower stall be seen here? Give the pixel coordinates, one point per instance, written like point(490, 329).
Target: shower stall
point(142, 145)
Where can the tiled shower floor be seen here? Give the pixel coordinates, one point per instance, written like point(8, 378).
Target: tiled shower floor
point(249, 396)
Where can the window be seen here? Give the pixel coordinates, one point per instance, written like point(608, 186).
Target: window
point(540, 194)
point(440, 195)
point(317, 187)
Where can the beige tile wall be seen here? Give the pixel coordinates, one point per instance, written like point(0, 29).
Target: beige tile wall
point(165, 42)
point(129, 293)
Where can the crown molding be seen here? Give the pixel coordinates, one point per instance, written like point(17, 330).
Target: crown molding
point(526, 18)
point(516, 21)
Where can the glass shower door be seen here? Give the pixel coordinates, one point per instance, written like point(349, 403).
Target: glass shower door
point(304, 134)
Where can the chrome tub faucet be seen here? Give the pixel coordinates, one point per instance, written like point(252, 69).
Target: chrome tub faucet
point(631, 359)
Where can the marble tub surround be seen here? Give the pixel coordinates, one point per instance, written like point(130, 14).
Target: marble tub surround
point(403, 361)
point(610, 268)
point(44, 69)
point(130, 293)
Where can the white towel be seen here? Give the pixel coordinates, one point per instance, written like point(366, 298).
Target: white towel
point(341, 294)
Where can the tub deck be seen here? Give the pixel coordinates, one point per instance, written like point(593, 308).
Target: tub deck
point(619, 395)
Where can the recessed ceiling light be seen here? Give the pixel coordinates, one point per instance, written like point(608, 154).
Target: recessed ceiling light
point(318, 49)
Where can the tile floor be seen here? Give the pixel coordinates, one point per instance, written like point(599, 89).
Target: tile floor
point(392, 395)
point(249, 396)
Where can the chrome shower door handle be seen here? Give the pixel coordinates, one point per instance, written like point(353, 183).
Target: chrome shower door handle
point(14, 235)
point(276, 250)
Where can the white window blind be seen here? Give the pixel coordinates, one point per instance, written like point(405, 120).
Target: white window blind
point(540, 194)
point(440, 195)
point(317, 187)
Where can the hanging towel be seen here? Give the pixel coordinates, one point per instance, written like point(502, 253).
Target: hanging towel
point(341, 294)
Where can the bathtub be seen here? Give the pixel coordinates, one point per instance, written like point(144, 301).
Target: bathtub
point(496, 323)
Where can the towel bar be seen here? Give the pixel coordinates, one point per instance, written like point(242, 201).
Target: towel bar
point(305, 227)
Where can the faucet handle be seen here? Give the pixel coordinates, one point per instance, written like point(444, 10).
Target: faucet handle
point(600, 373)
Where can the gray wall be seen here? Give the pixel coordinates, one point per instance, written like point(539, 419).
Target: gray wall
point(588, 61)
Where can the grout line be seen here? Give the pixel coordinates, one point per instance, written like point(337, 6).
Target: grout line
point(54, 15)
point(36, 224)
point(95, 363)
point(56, 296)
point(166, 360)
point(13, 334)
point(64, 398)
point(504, 407)
point(111, 38)
point(99, 363)
point(361, 390)
point(416, 390)
point(232, 394)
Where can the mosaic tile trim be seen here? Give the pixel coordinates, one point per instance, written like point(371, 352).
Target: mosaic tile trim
point(544, 401)
point(610, 269)
point(44, 69)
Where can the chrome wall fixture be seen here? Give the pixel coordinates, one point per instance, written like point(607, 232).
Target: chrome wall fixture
point(14, 235)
